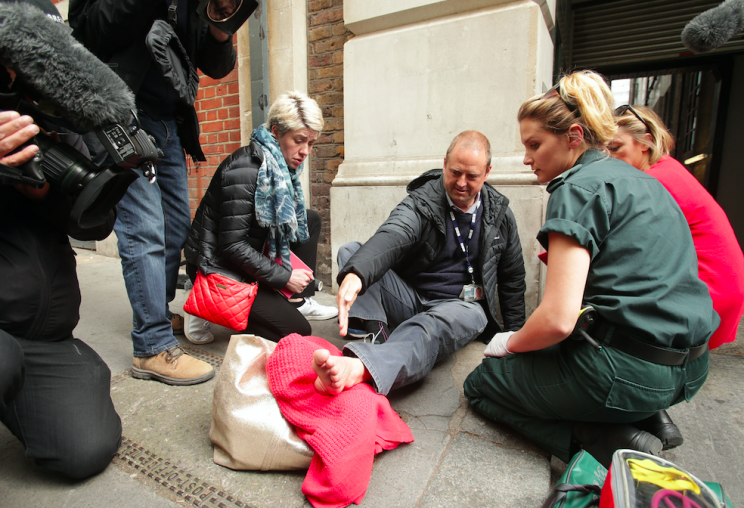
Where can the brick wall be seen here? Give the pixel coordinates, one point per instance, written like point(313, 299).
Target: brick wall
point(326, 37)
point(218, 110)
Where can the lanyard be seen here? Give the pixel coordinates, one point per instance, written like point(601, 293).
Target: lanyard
point(463, 246)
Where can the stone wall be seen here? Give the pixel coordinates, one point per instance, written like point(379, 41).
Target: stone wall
point(326, 37)
point(418, 72)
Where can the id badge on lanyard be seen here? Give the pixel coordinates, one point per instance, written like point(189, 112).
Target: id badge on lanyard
point(470, 292)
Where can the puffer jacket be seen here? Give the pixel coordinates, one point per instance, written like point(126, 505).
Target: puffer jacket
point(414, 234)
point(225, 237)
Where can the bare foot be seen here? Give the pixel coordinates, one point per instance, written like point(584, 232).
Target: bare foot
point(337, 373)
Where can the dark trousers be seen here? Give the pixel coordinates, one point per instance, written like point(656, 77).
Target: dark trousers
point(272, 315)
point(55, 398)
point(541, 394)
point(424, 331)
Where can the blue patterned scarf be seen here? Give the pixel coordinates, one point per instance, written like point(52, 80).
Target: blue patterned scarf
point(280, 205)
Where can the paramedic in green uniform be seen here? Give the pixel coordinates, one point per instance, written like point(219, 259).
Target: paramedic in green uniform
point(617, 241)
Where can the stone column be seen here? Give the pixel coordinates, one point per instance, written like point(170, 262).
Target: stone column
point(418, 72)
point(288, 55)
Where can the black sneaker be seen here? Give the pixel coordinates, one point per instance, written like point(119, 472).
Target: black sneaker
point(355, 328)
point(377, 332)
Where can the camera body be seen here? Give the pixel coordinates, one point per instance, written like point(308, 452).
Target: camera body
point(95, 190)
point(46, 74)
point(131, 147)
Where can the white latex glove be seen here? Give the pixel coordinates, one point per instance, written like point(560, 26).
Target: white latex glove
point(497, 346)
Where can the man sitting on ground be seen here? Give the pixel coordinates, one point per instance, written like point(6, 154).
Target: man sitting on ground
point(431, 273)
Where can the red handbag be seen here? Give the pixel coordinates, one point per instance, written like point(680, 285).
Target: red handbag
point(221, 300)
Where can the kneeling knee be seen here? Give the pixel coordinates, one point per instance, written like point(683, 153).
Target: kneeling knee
point(305, 329)
point(346, 251)
point(87, 460)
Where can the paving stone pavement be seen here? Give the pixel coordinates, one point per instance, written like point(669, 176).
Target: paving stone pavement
point(457, 459)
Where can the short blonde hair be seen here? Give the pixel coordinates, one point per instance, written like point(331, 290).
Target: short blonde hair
point(293, 111)
point(662, 141)
point(581, 98)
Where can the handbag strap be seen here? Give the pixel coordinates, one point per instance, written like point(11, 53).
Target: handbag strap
point(173, 13)
point(560, 490)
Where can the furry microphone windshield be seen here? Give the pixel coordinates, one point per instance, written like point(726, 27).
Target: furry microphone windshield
point(55, 68)
point(715, 26)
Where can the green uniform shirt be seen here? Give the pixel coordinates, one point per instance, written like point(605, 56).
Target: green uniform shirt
point(643, 274)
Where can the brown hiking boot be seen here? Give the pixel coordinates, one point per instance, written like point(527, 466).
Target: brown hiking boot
point(177, 324)
point(172, 367)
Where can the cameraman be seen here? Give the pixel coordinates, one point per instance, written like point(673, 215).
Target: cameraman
point(54, 389)
point(154, 219)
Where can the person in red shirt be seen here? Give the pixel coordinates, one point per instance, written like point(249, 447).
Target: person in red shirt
point(644, 142)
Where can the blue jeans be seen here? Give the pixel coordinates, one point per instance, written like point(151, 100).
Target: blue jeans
point(426, 331)
point(152, 224)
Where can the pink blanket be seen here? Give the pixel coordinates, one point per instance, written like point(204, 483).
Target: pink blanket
point(346, 430)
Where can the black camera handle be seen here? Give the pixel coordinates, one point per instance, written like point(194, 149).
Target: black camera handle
point(14, 176)
point(173, 13)
point(148, 168)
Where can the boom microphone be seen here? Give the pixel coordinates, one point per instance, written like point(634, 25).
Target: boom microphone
point(708, 30)
point(59, 71)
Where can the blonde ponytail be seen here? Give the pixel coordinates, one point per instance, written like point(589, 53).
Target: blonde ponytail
point(581, 98)
point(593, 99)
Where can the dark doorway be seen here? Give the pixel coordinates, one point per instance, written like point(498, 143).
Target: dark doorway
point(689, 103)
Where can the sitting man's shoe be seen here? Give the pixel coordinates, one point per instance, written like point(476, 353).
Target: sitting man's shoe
point(601, 440)
point(177, 324)
point(356, 328)
point(172, 367)
point(376, 331)
point(313, 311)
point(197, 330)
point(662, 426)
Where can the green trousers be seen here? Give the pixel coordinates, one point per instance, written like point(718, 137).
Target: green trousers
point(541, 394)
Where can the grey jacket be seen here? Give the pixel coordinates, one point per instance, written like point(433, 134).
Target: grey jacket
point(412, 237)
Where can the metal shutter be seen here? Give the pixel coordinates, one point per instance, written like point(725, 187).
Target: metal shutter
point(629, 31)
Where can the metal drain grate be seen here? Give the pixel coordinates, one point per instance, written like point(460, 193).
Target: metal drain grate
point(211, 358)
point(149, 467)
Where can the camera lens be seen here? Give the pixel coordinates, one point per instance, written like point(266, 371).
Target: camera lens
point(95, 191)
point(65, 166)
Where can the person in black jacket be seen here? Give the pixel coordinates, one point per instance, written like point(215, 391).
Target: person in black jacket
point(54, 389)
point(154, 219)
point(253, 213)
point(431, 273)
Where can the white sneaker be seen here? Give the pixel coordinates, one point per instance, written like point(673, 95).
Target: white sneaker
point(196, 329)
point(313, 311)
